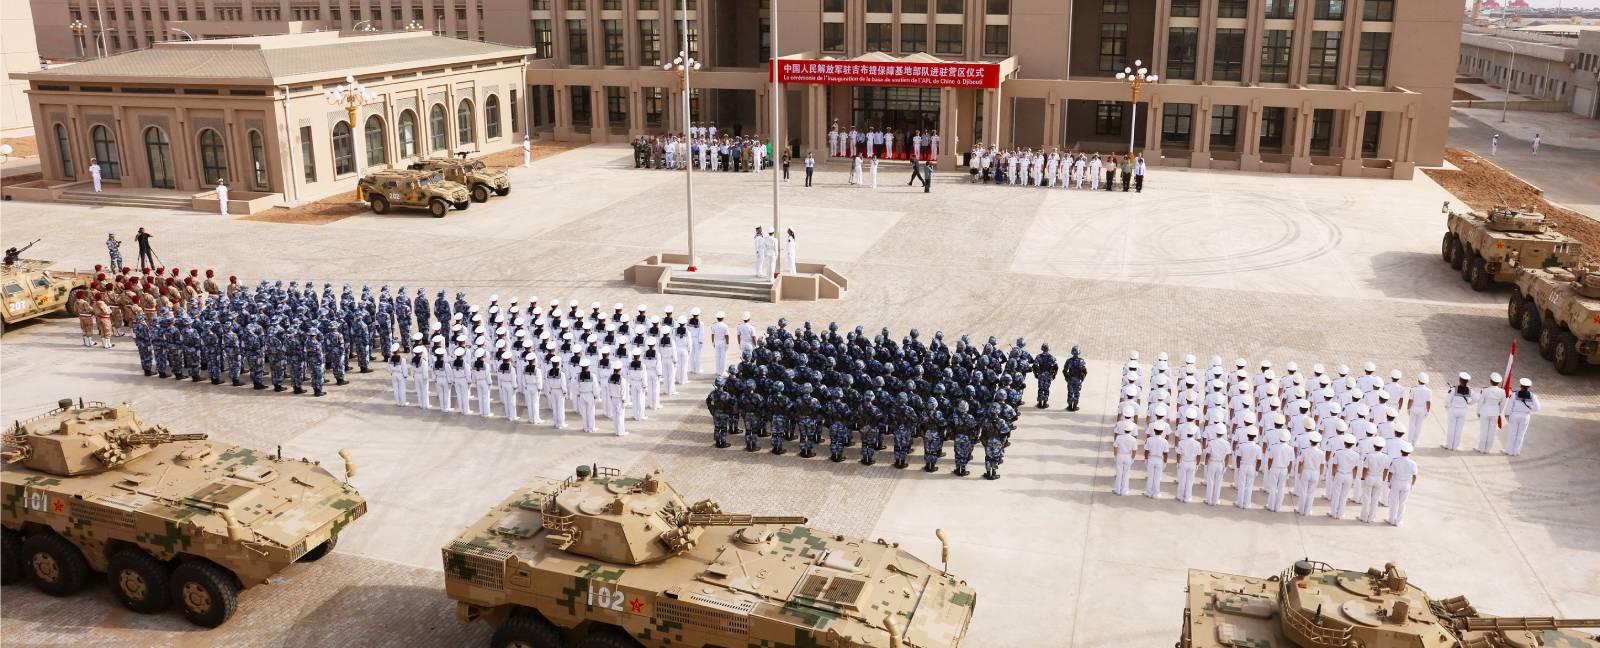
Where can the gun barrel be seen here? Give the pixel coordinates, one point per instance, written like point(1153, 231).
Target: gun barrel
point(726, 519)
point(156, 437)
point(1528, 623)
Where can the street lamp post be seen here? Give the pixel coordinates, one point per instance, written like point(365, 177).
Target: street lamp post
point(683, 64)
point(1136, 77)
point(1510, 74)
point(78, 28)
point(351, 96)
point(358, 27)
point(778, 145)
point(187, 34)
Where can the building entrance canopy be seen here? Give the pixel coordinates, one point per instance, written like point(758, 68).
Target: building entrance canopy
point(917, 70)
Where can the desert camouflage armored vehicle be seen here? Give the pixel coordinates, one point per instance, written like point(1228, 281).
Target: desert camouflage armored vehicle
point(169, 518)
point(32, 289)
point(1312, 605)
point(1490, 247)
point(624, 561)
point(1559, 308)
point(477, 177)
point(415, 189)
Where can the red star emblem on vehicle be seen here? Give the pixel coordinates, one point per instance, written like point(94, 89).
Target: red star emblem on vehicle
point(1499, 245)
point(636, 606)
point(58, 506)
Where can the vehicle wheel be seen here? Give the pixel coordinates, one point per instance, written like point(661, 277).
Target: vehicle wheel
point(1548, 334)
point(502, 192)
point(1457, 253)
point(321, 550)
point(206, 593)
point(1566, 359)
point(54, 564)
point(1466, 265)
point(1530, 322)
point(1479, 278)
point(608, 637)
point(139, 581)
point(10, 556)
point(1447, 246)
point(72, 301)
point(438, 207)
point(464, 205)
point(526, 631)
point(1514, 309)
point(380, 205)
point(480, 193)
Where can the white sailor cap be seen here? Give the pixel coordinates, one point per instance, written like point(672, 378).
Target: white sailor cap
point(494, 298)
point(1422, 378)
point(1129, 411)
point(394, 347)
point(416, 335)
point(747, 316)
point(584, 363)
point(668, 309)
point(642, 308)
point(473, 309)
point(460, 352)
point(1394, 374)
point(594, 305)
point(1369, 367)
point(1188, 359)
point(417, 349)
point(1291, 367)
point(1314, 438)
point(1284, 436)
point(1133, 355)
point(529, 356)
point(1406, 447)
point(721, 314)
point(1464, 376)
point(1162, 356)
point(1495, 378)
point(1240, 363)
point(1525, 382)
point(479, 354)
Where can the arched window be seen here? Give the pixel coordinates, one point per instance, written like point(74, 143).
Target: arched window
point(258, 160)
point(464, 122)
point(374, 131)
point(213, 158)
point(64, 151)
point(158, 154)
point(436, 128)
point(491, 117)
point(344, 155)
point(105, 152)
point(408, 134)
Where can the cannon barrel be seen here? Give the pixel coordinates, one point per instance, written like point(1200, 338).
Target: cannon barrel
point(161, 437)
point(728, 519)
point(1528, 623)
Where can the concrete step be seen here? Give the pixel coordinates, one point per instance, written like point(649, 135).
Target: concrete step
point(698, 292)
point(762, 293)
point(104, 200)
point(730, 284)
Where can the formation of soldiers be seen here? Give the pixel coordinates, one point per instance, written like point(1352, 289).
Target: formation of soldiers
point(704, 149)
point(117, 296)
point(1027, 167)
point(860, 391)
point(873, 142)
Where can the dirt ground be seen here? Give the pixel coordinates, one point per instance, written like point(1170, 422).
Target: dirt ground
point(22, 147)
point(1482, 185)
point(344, 205)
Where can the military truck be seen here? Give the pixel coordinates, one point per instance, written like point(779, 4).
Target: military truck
point(414, 189)
point(1312, 605)
point(171, 519)
point(1560, 309)
point(472, 174)
point(625, 561)
point(32, 289)
point(1489, 248)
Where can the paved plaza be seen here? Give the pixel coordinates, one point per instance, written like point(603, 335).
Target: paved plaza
point(1278, 267)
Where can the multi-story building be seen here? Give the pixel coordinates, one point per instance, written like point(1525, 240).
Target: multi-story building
point(1555, 67)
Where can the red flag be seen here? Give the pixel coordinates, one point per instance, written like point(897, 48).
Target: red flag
point(1511, 362)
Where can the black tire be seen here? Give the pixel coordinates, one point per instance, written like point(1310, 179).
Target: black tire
point(526, 631)
point(321, 550)
point(480, 193)
point(502, 192)
point(1566, 359)
point(205, 592)
point(1514, 308)
point(139, 581)
point(1447, 246)
point(55, 565)
point(608, 637)
point(1466, 265)
point(1530, 323)
point(1479, 278)
point(10, 557)
point(380, 205)
point(1458, 254)
point(438, 207)
point(463, 205)
point(1549, 334)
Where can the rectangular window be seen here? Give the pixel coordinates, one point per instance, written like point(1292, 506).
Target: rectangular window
point(1176, 122)
point(1272, 123)
point(880, 37)
point(580, 106)
point(1224, 127)
point(652, 107)
point(913, 6)
point(1372, 59)
point(543, 39)
point(649, 43)
point(832, 37)
point(1113, 46)
point(515, 114)
point(694, 38)
point(1275, 55)
point(308, 154)
point(575, 5)
point(913, 37)
point(1181, 49)
point(647, 5)
point(1321, 131)
point(578, 42)
point(1228, 63)
point(1185, 8)
point(1371, 127)
point(833, 6)
point(1232, 8)
point(947, 39)
point(614, 41)
point(461, 14)
point(611, 5)
point(1330, 10)
point(997, 7)
point(880, 6)
point(616, 106)
point(1108, 118)
point(1322, 65)
point(1281, 8)
point(1114, 7)
point(996, 40)
point(950, 7)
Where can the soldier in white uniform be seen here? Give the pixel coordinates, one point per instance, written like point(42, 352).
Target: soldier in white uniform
point(761, 253)
point(1456, 405)
point(506, 377)
point(1094, 172)
point(482, 375)
point(1490, 402)
point(1374, 479)
point(616, 402)
point(1369, 379)
point(1247, 464)
point(585, 394)
point(747, 336)
point(398, 375)
point(719, 342)
point(461, 377)
point(1309, 468)
point(531, 384)
point(1188, 451)
point(555, 390)
point(1402, 478)
point(1122, 450)
point(1156, 448)
point(1344, 463)
point(1279, 457)
point(1518, 411)
point(1218, 451)
point(421, 375)
point(1419, 402)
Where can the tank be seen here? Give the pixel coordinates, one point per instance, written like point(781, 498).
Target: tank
point(386, 189)
point(169, 518)
point(480, 179)
point(1313, 605)
point(32, 289)
point(1490, 247)
point(1560, 309)
point(625, 561)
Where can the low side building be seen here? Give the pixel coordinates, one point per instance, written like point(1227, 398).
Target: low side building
point(182, 115)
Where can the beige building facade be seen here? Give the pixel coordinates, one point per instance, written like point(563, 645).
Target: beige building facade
point(182, 115)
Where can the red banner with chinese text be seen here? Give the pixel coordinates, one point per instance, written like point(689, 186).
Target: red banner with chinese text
point(921, 75)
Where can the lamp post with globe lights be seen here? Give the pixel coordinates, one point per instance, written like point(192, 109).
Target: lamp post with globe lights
point(683, 65)
point(351, 96)
point(78, 28)
point(1136, 77)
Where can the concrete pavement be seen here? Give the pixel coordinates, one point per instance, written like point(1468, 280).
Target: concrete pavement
point(1567, 167)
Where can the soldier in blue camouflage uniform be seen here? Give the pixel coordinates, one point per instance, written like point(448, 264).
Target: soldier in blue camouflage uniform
point(211, 351)
point(402, 317)
point(1074, 370)
point(142, 342)
point(441, 312)
point(839, 419)
point(419, 308)
point(871, 418)
point(905, 421)
point(315, 360)
point(230, 352)
point(193, 344)
point(277, 354)
point(361, 340)
point(994, 431)
point(752, 409)
point(383, 322)
point(963, 429)
point(807, 409)
point(294, 353)
point(934, 422)
point(337, 350)
point(717, 402)
point(778, 406)
point(254, 351)
point(1044, 371)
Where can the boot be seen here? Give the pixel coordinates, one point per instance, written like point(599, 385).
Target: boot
point(366, 370)
point(299, 390)
point(930, 468)
point(991, 475)
point(900, 463)
point(148, 372)
point(721, 444)
point(258, 385)
point(106, 342)
point(341, 381)
point(87, 341)
point(237, 382)
point(807, 454)
point(778, 451)
point(160, 375)
point(1042, 405)
point(217, 381)
point(750, 448)
point(195, 377)
point(319, 393)
point(961, 472)
point(836, 458)
point(277, 388)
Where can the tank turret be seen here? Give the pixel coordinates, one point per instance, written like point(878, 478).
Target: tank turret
point(1588, 284)
point(89, 438)
point(630, 521)
point(1506, 219)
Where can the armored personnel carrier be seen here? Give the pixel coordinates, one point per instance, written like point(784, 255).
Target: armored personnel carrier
point(429, 190)
point(624, 561)
point(477, 177)
point(1312, 605)
point(1489, 248)
point(32, 289)
point(169, 518)
point(1559, 308)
